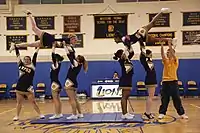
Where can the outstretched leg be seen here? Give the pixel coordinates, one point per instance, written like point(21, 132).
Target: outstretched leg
point(35, 29)
point(155, 18)
point(25, 44)
point(31, 98)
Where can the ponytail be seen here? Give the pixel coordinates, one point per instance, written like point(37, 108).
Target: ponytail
point(118, 54)
point(115, 58)
point(83, 61)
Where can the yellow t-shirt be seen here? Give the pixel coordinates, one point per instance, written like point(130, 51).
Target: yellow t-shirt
point(170, 69)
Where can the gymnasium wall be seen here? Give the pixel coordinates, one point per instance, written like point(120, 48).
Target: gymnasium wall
point(188, 70)
point(101, 49)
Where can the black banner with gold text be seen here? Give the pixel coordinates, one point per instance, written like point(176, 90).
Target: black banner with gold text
point(163, 21)
point(191, 18)
point(106, 25)
point(160, 35)
point(45, 22)
point(190, 36)
point(16, 23)
point(15, 39)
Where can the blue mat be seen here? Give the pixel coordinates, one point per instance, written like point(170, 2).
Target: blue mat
point(90, 118)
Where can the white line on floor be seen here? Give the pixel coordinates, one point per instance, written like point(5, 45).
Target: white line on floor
point(10, 110)
point(195, 106)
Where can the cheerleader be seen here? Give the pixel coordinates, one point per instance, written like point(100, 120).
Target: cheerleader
point(150, 79)
point(46, 39)
point(140, 34)
point(71, 83)
point(55, 83)
point(25, 82)
point(125, 83)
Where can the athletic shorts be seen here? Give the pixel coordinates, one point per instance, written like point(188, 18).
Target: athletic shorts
point(150, 80)
point(71, 83)
point(125, 82)
point(23, 87)
point(56, 86)
point(47, 39)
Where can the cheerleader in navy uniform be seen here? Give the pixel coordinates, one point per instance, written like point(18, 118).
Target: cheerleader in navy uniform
point(55, 83)
point(140, 34)
point(125, 83)
point(71, 83)
point(46, 39)
point(150, 80)
point(25, 82)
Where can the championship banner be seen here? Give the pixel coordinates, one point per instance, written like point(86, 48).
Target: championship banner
point(3, 2)
point(191, 18)
point(46, 47)
point(190, 36)
point(15, 39)
point(16, 23)
point(45, 22)
point(79, 43)
point(106, 25)
point(72, 23)
point(160, 35)
point(163, 21)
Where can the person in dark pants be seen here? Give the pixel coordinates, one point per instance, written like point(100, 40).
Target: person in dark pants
point(170, 83)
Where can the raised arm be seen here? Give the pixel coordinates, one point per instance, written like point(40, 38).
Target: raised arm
point(18, 55)
point(162, 52)
point(70, 56)
point(35, 56)
point(143, 59)
point(53, 54)
point(171, 50)
point(131, 53)
point(142, 46)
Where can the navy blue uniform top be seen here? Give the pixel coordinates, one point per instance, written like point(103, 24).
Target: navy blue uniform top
point(55, 69)
point(149, 68)
point(27, 72)
point(75, 68)
point(126, 66)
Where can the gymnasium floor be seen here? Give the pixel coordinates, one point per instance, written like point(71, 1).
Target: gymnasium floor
point(171, 124)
